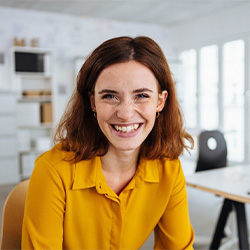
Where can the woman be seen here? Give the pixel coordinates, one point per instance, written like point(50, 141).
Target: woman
point(114, 175)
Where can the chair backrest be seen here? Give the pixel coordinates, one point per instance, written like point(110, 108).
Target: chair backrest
point(13, 217)
point(212, 150)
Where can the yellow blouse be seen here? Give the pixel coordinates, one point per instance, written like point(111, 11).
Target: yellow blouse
point(70, 206)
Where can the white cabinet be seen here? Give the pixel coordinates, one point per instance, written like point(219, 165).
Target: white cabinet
point(33, 83)
point(9, 169)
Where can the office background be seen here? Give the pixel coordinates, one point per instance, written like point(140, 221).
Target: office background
point(208, 54)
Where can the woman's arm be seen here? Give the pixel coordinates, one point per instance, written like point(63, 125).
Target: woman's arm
point(44, 209)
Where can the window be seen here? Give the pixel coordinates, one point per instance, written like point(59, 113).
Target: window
point(233, 101)
point(215, 100)
point(209, 115)
point(187, 89)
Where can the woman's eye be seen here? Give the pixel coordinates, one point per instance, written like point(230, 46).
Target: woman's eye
point(108, 96)
point(141, 96)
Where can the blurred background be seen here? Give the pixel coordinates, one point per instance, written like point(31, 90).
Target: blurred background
point(44, 43)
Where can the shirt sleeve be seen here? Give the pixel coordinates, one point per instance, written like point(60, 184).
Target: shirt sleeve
point(44, 209)
point(174, 230)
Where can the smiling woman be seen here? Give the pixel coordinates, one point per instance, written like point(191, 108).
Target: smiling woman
point(126, 99)
point(167, 136)
point(114, 175)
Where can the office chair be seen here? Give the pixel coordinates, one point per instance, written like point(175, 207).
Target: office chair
point(211, 156)
point(13, 217)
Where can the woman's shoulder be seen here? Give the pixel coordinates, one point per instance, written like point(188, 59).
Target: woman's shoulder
point(56, 155)
point(170, 172)
point(55, 163)
point(168, 164)
point(161, 168)
point(168, 167)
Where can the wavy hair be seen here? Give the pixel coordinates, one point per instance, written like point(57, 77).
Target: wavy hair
point(78, 130)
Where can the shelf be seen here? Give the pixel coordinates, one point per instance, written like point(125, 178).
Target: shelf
point(31, 62)
point(41, 98)
point(9, 135)
point(33, 75)
point(31, 151)
point(8, 157)
point(7, 114)
point(42, 126)
point(32, 49)
point(33, 83)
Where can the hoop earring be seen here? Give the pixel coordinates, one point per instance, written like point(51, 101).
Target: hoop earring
point(94, 113)
point(157, 114)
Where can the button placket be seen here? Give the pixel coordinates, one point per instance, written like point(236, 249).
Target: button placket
point(113, 198)
point(123, 200)
point(117, 222)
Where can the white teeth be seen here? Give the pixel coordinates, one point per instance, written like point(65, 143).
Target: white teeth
point(127, 129)
point(136, 126)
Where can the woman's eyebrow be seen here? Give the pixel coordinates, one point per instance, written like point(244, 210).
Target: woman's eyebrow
point(142, 90)
point(109, 91)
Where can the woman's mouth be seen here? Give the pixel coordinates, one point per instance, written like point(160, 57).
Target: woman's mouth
point(126, 128)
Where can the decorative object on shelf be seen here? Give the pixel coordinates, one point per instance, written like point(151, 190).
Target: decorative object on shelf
point(34, 42)
point(18, 42)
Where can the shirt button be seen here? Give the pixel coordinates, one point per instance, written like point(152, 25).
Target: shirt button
point(125, 191)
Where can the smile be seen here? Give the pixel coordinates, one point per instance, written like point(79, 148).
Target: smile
point(126, 129)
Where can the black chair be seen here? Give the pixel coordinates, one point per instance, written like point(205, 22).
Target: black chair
point(211, 156)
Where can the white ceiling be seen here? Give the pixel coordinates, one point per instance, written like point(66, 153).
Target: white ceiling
point(161, 12)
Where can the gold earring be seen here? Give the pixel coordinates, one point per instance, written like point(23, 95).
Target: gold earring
point(157, 114)
point(94, 113)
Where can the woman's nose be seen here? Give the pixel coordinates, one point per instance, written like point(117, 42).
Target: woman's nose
point(126, 110)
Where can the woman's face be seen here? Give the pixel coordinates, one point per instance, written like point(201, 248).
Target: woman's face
point(126, 98)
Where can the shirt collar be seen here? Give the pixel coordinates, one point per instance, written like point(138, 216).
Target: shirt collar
point(151, 173)
point(88, 173)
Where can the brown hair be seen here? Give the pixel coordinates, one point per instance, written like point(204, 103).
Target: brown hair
point(78, 130)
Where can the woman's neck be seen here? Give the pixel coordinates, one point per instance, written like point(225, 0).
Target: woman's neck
point(119, 168)
point(119, 161)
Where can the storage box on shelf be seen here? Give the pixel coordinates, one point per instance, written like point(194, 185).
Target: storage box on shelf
point(33, 83)
point(9, 171)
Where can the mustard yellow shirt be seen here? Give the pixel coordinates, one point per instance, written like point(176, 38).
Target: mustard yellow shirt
point(70, 206)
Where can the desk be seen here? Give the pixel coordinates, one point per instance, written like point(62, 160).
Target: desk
point(233, 183)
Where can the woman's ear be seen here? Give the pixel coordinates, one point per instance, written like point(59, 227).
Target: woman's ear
point(92, 101)
point(162, 97)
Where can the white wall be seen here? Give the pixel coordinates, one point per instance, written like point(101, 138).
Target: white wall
point(70, 37)
point(221, 25)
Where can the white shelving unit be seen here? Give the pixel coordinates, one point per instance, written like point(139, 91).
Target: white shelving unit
point(33, 83)
point(9, 170)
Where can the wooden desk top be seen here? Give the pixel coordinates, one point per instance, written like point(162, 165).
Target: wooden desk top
point(232, 182)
